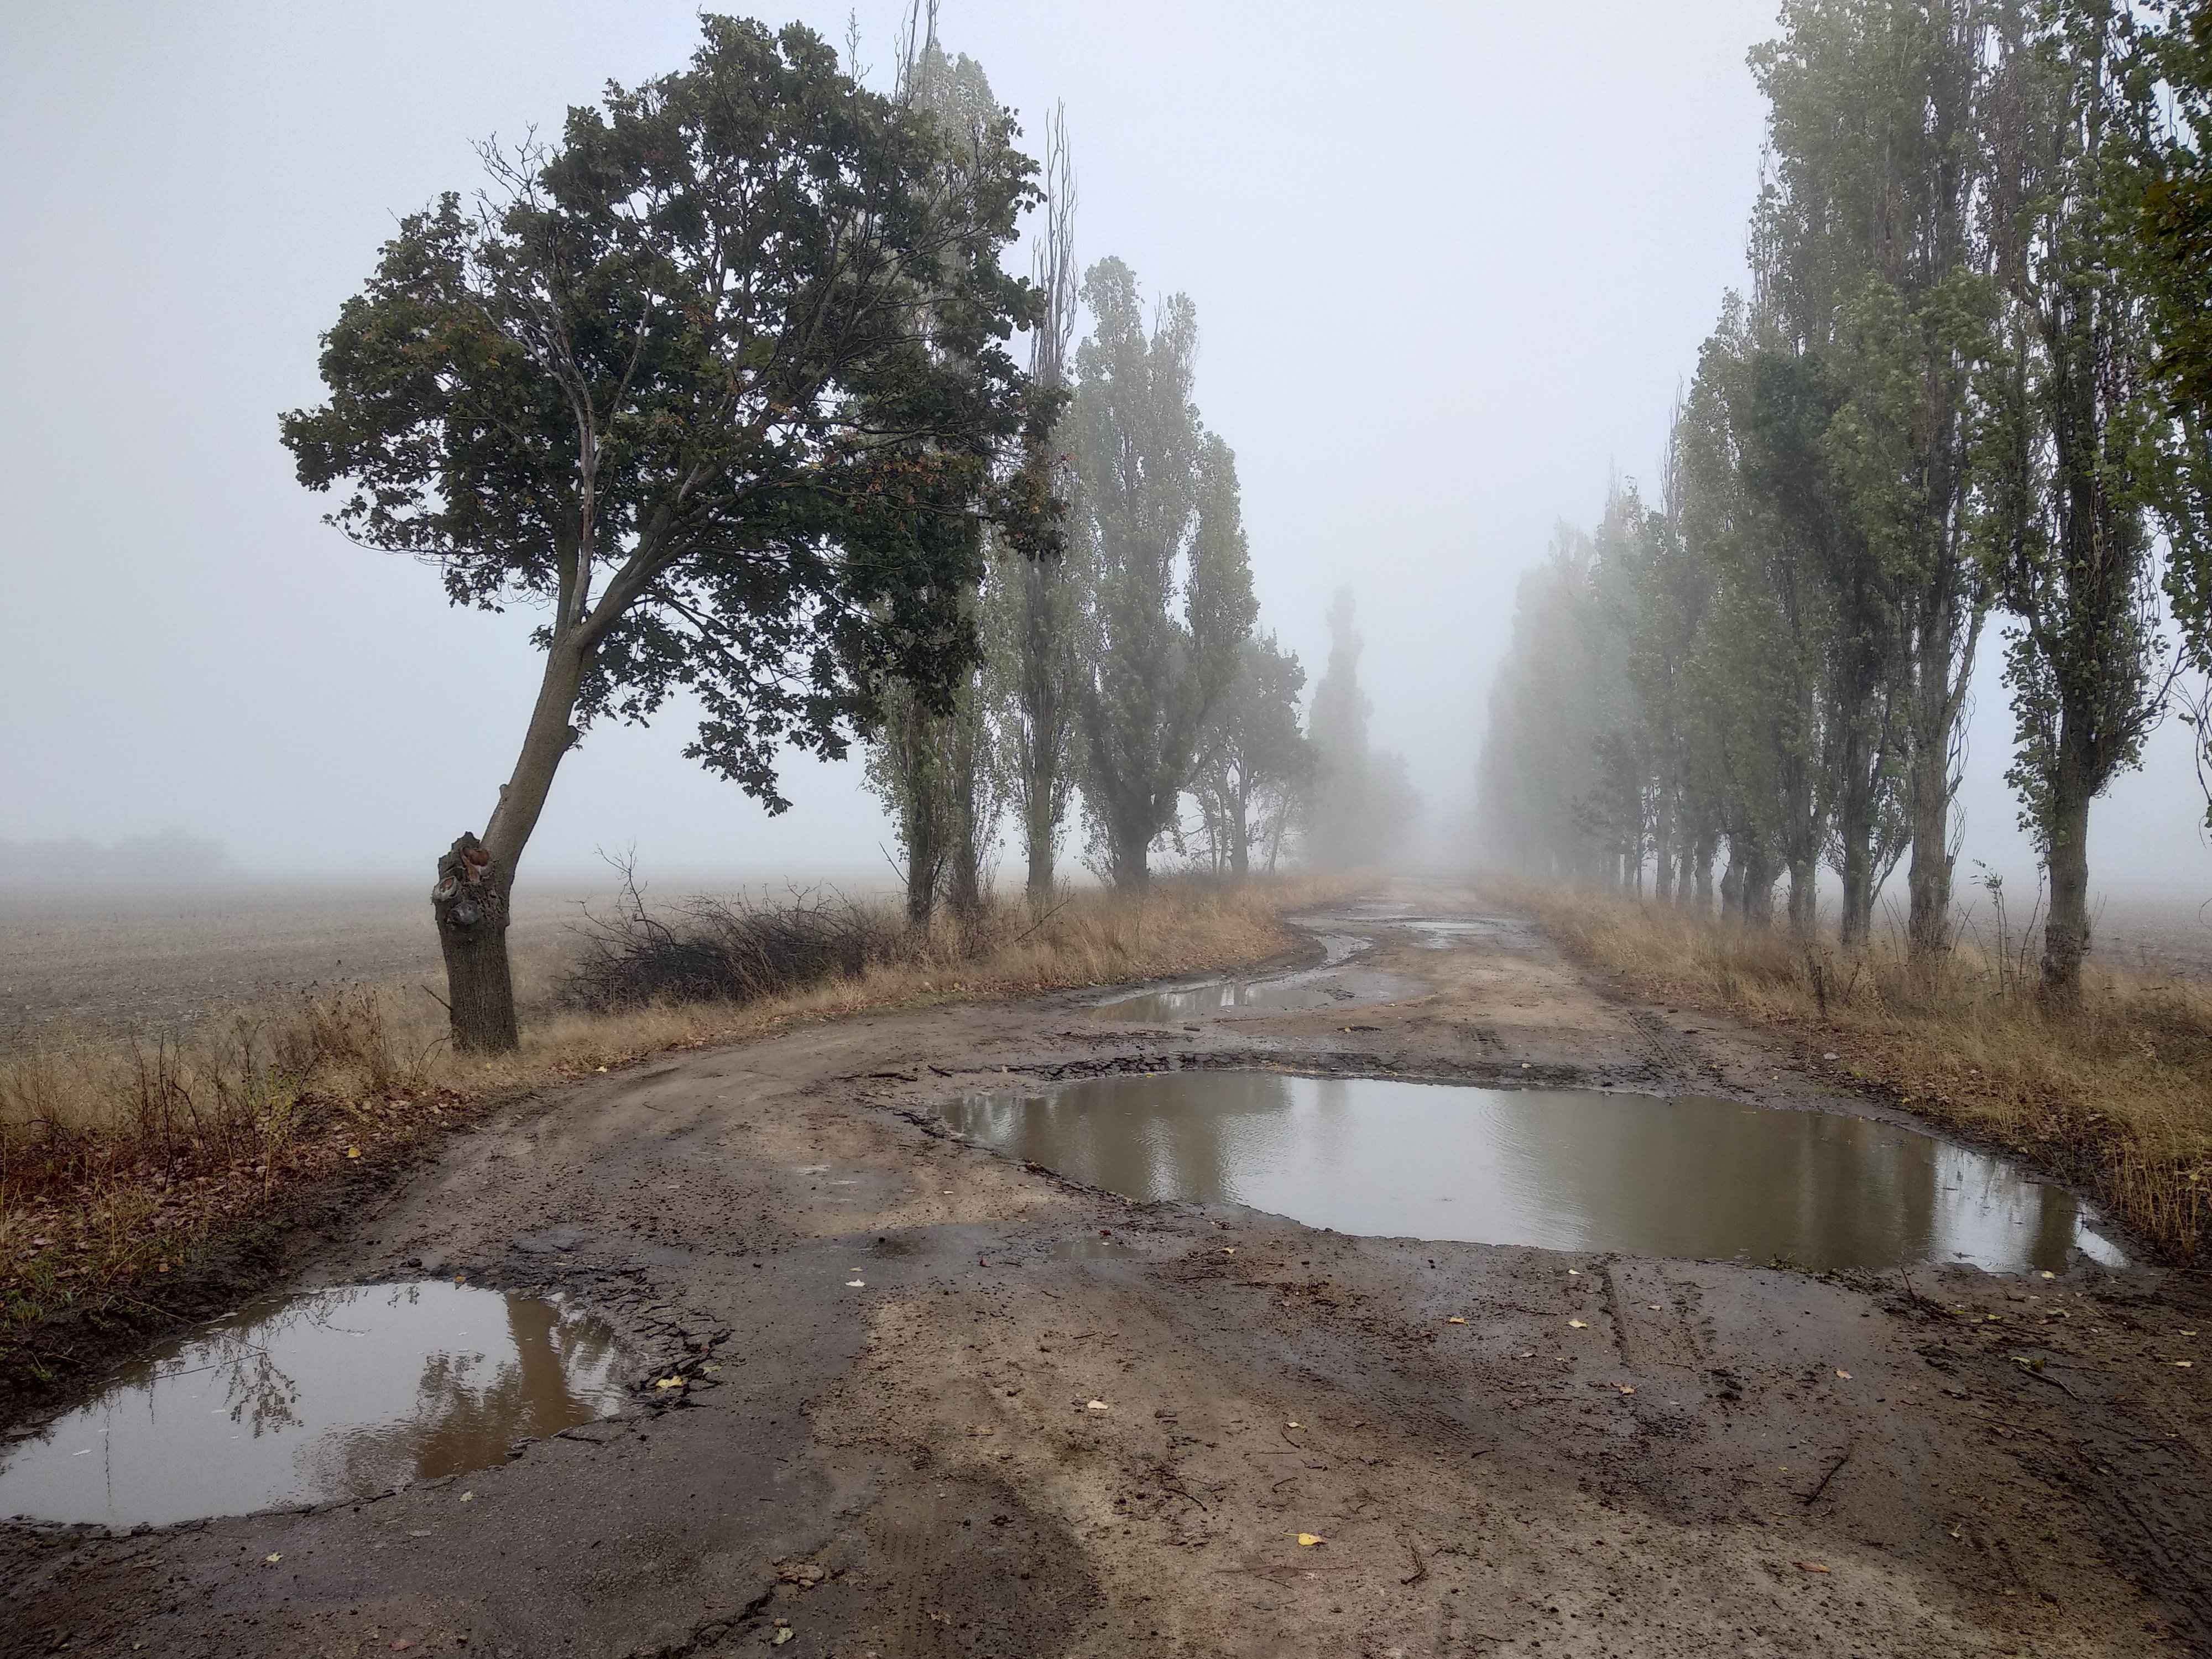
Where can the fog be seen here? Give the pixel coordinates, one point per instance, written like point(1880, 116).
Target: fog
point(1451, 263)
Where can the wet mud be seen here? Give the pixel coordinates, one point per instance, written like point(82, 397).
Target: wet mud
point(928, 1401)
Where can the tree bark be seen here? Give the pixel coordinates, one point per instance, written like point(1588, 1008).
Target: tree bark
point(476, 879)
point(471, 904)
point(2066, 935)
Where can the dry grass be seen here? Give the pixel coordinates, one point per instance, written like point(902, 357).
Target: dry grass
point(121, 1161)
point(2115, 1094)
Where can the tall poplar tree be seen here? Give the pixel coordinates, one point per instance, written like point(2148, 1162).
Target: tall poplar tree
point(1157, 506)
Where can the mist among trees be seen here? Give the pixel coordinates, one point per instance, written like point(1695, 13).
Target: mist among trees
point(1958, 402)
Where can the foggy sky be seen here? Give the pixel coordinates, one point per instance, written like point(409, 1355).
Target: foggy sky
point(1451, 263)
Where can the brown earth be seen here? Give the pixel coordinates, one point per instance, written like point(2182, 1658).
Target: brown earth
point(1719, 1459)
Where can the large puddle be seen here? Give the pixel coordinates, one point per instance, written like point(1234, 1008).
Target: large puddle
point(304, 1398)
point(1558, 1169)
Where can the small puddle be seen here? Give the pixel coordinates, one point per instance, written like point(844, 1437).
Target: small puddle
point(310, 1397)
point(1328, 984)
point(1562, 1169)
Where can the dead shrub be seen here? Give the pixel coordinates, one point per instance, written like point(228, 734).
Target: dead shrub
point(736, 951)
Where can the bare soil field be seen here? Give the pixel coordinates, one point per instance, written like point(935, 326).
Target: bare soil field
point(900, 1414)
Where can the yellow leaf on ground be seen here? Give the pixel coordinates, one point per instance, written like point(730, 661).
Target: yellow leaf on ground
point(272, 1559)
point(1454, 1320)
point(353, 1151)
point(1846, 1376)
point(1812, 1566)
point(1308, 1540)
point(1578, 1324)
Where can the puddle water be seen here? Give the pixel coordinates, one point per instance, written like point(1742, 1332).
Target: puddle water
point(1327, 985)
point(304, 1398)
point(1558, 1169)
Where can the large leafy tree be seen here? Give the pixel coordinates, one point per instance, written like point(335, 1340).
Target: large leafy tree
point(1160, 515)
point(719, 381)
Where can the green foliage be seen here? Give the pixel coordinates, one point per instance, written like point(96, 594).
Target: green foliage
point(1158, 516)
point(1255, 764)
point(720, 381)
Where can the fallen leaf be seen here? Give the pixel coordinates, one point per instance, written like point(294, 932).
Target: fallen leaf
point(2184, 1363)
point(1097, 1405)
point(2047, 1274)
point(1228, 1249)
point(1308, 1540)
point(1846, 1376)
point(783, 1634)
point(1812, 1566)
point(1454, 1320)
point(353, 1151)
point(272, 1559)
point(856, 1284)
point(670, 1383)
point(1578, 1324)
point(1294, 1425)
point(1626, 1388)
point(468, 1498)
point(1574, 1272)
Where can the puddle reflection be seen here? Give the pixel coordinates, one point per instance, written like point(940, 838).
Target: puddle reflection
point(329, 1395)
point(1560, 1169)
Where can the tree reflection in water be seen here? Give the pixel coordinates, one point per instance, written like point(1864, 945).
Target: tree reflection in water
point(331, 1393)
point(1558, 1169)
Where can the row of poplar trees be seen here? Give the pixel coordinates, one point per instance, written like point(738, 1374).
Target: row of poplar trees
point(1123, 670)
point(1959, 387)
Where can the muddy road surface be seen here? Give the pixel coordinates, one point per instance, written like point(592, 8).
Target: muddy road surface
point(904, 1395)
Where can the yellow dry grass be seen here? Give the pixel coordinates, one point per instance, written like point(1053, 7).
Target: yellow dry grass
point(120, 1161)
point(2115, 1093)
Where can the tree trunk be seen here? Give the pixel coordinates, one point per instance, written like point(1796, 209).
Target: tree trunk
point(476, 879)
point(1804, 895)
point(1037, 830)
point(1938, 695)
point(471, 904)
point(1927, 880)
point(2066, 935)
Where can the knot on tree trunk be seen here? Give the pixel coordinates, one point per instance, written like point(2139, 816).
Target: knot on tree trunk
point(469, 894)
point(470, 901)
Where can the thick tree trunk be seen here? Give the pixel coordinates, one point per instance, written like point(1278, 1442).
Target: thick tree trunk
point(1927, 880)
point(471, 904)
point(2066, 936)
point(1037, 830)
point(476, 879)
point(1804, 893)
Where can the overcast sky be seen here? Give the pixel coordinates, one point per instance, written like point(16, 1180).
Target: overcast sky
point(1452, 263)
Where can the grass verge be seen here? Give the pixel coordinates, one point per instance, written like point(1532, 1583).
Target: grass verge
point(126, 1168)
point(2114, 1094)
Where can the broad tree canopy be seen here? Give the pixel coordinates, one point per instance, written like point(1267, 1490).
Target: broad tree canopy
point(721, 379)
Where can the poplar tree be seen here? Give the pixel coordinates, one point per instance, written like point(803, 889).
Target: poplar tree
point(1159, 515)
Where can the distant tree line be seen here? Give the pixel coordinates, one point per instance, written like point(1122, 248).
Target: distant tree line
point(1969, 379)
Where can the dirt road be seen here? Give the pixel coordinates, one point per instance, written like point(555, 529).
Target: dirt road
point(988, 1446)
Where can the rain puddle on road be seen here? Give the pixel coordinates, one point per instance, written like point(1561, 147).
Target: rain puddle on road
point(304, 1398)
point(1332, 983)
point(1558, 1169)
